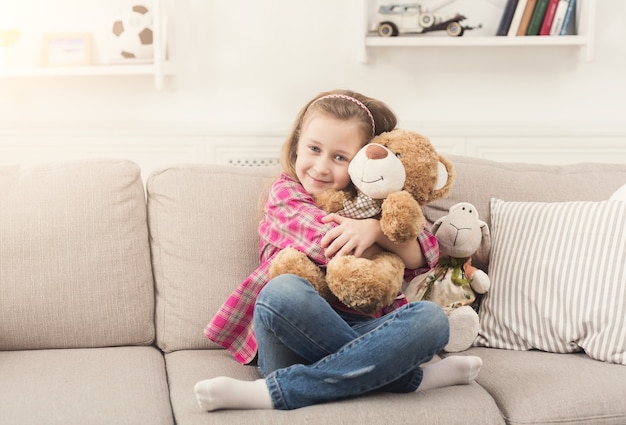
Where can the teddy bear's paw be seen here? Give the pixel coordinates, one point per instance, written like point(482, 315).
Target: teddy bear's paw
point(292, 261)
point(365, 285)
point(390, 264)
point(463, 329)
point(288, 260)
point(402, 217)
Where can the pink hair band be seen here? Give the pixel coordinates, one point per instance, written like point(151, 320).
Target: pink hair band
point(352, 99)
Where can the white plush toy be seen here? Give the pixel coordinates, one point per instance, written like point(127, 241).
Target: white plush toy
point(453, 283)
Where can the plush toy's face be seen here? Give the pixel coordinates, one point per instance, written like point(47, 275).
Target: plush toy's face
point(461, 233)
point(428, 175)
point(376, 171)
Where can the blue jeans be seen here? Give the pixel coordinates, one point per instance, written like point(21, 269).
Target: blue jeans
point(309, 353)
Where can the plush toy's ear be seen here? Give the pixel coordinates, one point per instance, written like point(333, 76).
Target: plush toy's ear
point(445, 177)
point(437, 224)
point(482, 254)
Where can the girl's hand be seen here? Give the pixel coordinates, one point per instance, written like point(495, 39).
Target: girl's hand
point(350, 236)
point(355, 237)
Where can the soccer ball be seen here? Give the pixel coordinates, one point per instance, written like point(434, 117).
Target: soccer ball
point(133, 35)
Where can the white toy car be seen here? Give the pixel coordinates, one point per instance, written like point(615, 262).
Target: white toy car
point(409, 18)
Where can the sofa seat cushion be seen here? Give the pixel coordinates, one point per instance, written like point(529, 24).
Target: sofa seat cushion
point(118, 385)
point(74, 256)
point(535, 387)
point(463, 405)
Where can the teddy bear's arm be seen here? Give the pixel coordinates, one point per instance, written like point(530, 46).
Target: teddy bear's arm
point(402, 217)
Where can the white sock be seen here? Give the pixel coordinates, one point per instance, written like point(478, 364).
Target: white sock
point(453, 370)
point(228, 393)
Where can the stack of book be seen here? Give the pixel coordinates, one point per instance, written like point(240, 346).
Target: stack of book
point(538, 17)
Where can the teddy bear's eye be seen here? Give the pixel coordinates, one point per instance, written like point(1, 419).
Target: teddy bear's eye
point(398, 154)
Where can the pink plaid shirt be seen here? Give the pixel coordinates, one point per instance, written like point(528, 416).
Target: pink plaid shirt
point(291, 219)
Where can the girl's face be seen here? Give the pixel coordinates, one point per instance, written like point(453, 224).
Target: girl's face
point(325, 148)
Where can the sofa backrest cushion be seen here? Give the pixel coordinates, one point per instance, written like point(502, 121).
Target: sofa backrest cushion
point(203, 234)
point(478, 180)
point(74, 256)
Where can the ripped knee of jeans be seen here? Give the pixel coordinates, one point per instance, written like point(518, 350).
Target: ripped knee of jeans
point(351, 375)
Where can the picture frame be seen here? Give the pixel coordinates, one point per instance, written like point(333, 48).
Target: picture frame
point(67, 49)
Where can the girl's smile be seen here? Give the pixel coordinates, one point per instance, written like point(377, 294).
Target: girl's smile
point(325, 148)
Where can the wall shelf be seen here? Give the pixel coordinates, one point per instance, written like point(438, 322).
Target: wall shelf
point(159, 67)
point(425, 41)
point(90, 70)
point(584, 40)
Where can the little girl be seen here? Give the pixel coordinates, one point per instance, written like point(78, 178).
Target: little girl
point(309, 351)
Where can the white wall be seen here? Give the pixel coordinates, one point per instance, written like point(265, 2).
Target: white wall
point(245, 68)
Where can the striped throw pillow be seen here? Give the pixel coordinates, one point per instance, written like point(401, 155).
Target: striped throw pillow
point(558, 278)
point(620, 194)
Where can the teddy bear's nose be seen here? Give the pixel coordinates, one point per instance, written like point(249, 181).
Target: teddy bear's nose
point(375, 152)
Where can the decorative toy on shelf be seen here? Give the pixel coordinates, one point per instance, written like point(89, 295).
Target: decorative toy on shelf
point(133, 35)
point(411, 18)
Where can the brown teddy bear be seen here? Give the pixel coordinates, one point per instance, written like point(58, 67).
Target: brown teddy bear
point(453, 283)
point(394, 175)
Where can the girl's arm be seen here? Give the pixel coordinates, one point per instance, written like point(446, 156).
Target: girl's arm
point(357, 237)
point(292, 219)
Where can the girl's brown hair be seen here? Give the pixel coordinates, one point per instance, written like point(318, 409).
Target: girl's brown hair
point(334, 103)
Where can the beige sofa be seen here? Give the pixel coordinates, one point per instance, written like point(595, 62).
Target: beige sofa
point(105, 287)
